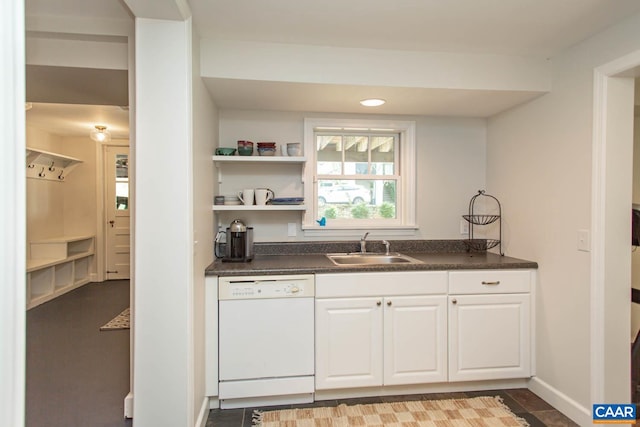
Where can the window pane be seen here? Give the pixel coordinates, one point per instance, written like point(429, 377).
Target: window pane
point(329, 155)
point(382, 155)
point(122, 182)
point(357, 199)
point(356, 155)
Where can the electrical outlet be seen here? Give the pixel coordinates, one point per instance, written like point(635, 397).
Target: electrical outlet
point(464, 227)
point(291, 229)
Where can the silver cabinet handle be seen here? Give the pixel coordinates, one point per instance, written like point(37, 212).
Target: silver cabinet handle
point(454, 301)
point(497, 282)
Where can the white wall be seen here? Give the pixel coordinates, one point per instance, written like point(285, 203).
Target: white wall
point(539, 163)
point(81, 199)
point(451, 158)
point(45, 199)
point(205, 138)
point(291, 62)
point(164, 226)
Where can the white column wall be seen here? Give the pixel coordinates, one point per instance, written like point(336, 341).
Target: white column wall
point(205, 138)
point(12, 216)
point(163, 363)
point(540, 166)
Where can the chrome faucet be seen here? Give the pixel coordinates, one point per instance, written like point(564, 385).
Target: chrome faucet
point(363, 243)
point(386, 247)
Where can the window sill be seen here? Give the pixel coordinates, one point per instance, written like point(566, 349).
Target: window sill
point(405, 230)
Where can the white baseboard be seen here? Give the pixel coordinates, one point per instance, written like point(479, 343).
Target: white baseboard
point(203, 413)
point(128, 406)
point(563, 403)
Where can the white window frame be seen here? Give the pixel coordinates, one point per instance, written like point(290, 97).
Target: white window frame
point(405, 224)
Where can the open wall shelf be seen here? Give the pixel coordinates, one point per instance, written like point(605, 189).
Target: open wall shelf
point(58, 266)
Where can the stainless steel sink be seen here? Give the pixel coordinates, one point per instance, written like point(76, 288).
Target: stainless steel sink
point(357, 258)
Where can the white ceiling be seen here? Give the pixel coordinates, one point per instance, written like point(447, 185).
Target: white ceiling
point(541, 28)
point(78, 119)
point(530, 28)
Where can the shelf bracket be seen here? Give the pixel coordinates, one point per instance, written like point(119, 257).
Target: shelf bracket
point(218, 166)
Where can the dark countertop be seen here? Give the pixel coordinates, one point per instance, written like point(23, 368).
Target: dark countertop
point(264, 264)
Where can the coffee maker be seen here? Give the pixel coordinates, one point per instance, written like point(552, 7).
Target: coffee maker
point(239, 242)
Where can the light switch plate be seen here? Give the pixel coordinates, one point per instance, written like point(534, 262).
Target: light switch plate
point(464, 227)
point(584, 241)
point(291, 229)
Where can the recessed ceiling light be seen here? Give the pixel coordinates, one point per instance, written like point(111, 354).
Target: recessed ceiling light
point(372, 102)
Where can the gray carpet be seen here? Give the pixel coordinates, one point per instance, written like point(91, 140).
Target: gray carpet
point(78, 376)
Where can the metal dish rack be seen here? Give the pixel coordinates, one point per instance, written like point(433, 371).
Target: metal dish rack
point(475, 219)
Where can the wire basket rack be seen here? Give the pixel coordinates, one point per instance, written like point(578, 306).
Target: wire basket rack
point(483, 219)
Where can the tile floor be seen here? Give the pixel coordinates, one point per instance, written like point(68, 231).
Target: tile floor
point(522, 402)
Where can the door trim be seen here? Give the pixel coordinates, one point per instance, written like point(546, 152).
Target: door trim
point(603, 268)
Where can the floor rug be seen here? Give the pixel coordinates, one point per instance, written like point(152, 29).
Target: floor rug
point(121, 321)
point(473, 412)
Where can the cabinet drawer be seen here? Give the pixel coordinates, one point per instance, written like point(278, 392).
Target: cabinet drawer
point(489, 282)
point(381, 284)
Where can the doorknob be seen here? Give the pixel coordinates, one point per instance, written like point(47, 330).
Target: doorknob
point(112, 222)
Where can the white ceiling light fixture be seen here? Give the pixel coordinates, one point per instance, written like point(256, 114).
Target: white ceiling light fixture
point(100, 134)
point(373, 102)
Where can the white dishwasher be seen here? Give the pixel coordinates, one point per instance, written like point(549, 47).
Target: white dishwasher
point(266, 340)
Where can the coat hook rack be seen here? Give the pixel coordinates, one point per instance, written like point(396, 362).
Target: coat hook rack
point(39, 163)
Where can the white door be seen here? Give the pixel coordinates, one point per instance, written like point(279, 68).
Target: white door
point(348, 342)
point(489, 337)
point(415, 339)
point(117, 212)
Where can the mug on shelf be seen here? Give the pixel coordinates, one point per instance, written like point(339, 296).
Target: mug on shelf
point(246, 196)
point(263, 195)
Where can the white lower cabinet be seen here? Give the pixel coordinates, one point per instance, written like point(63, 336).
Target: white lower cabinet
point(384, 339)
point(489, 337)
point(489, 325)
point(348, 343)
point(415, 339)
point(378, 329)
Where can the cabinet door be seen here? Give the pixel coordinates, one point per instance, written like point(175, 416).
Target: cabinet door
point(489, 337)
point(348, 342)
point(415, 340)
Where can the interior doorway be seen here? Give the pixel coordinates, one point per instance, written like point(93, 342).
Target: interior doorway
point(117, 213)
point(611, 206)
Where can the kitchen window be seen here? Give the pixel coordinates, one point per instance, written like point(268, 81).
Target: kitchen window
point(360, 174)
